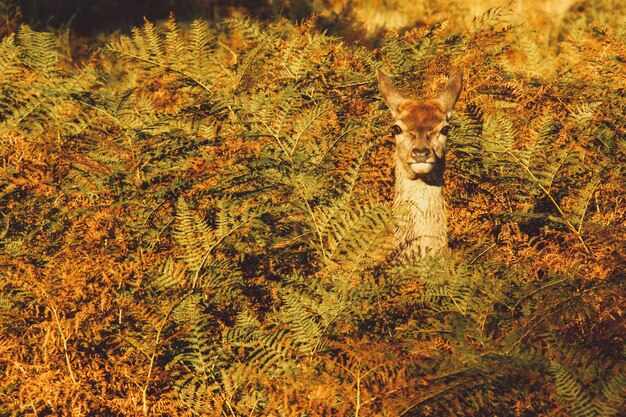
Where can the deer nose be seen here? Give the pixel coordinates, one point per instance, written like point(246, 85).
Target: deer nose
point(420, 154)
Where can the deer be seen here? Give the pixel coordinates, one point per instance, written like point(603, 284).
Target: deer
point(420, 131)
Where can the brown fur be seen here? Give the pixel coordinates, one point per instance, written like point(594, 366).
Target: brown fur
point(426, 116)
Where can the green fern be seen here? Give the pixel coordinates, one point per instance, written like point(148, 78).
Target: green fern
point(38, 50)
point(541, 165)
point(9, 59)
point(297, 56)
point(570, 389)
point(584, 402)
point(201, 47)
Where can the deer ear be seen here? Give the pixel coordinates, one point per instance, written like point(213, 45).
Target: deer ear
point(390, 92)
point(452, 90)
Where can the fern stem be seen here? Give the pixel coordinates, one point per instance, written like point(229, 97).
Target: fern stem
point(251, 413)
point(30, 398)
point(580, 225)
point(158, 64)
point(481, 254)
point(358, 376)
point(564, 305)
point(247, 65)
point(64, 339)
point(326, 326)
point(314, 220)
point(217, 243)
point(358, 395)
point(558, 167)
point(230, 51)
point(430, 397)
point(275, 136)
point(458, 307)
point(309, 123)
point(548, 194)
point(332, 145)
point(25, 115)
point(144, 388)
point(551, 284)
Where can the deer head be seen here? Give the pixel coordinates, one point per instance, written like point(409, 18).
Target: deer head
point(420, 128)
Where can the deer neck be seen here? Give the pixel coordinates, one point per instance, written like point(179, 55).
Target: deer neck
point(420, 213)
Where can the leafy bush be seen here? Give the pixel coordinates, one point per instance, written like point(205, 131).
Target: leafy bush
point(195, 222)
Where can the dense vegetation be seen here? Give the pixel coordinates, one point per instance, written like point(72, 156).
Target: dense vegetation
point(194, 220)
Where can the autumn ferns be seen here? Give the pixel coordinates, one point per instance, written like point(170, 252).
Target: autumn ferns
point(197, 220)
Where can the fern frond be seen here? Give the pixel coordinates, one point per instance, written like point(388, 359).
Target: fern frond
point(161, 54)
point(221, 280)
point(492, 18)
point(198, 395)
point(308, 124)
point(579, 208)
point(193, 235)
point(584, 114)
point(570, 389)
point(252, 58)
point(355, 238)
point(498, 138)
point(396, 52)
point(39, 50)
point(304, 325)
point(176, 52)
point(171, 276)
point(9, 59)
point(148, 42)
point(248, 28)
point(297, 57)
point(246, 328)
point(614, 396)
point(273, 353)
point(201, 43)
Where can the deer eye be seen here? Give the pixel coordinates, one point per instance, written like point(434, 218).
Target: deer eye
point(396, 130)
point(445, 130)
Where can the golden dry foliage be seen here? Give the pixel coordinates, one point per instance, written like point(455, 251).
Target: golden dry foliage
point(195, 222)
